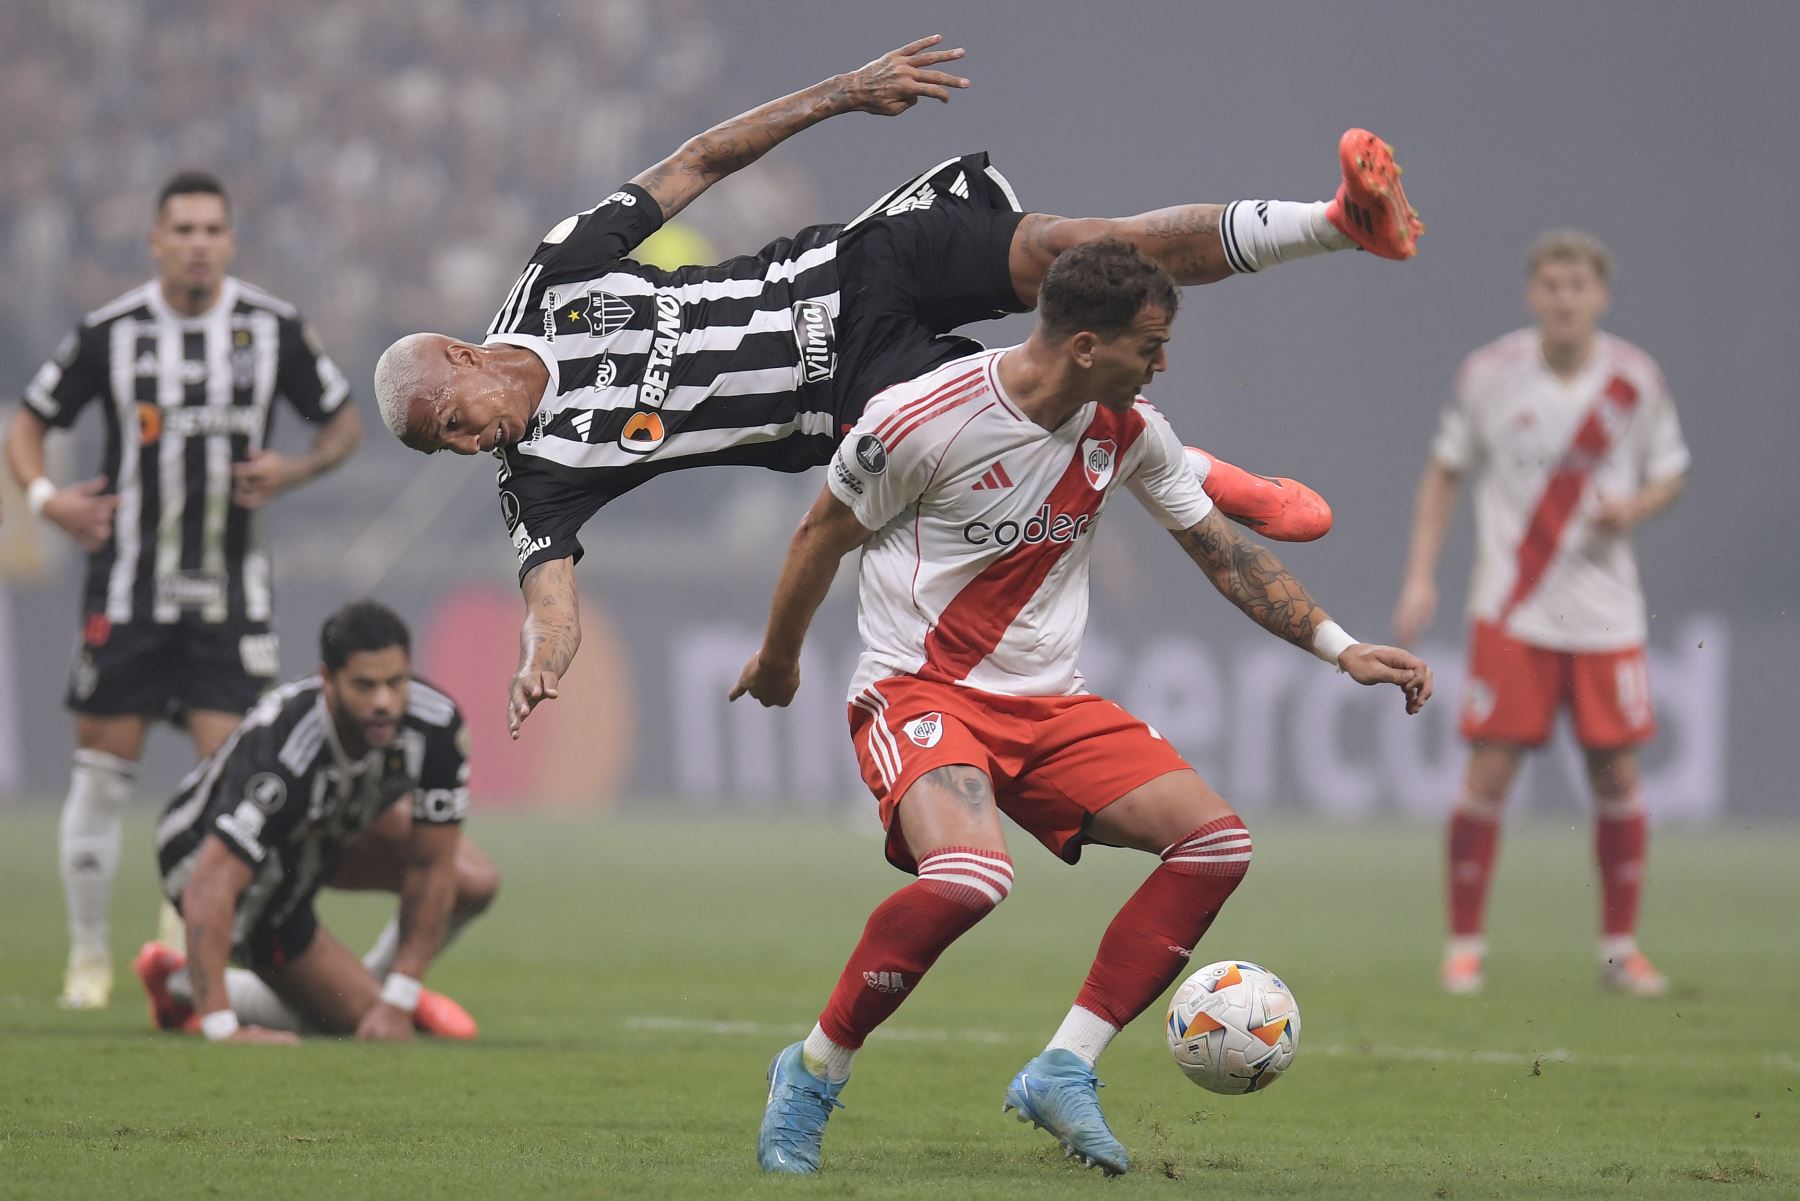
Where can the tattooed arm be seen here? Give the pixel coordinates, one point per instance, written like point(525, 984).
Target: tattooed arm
point(208, 905)
point(1253, 579)
point(548, 639)
point(888, 86)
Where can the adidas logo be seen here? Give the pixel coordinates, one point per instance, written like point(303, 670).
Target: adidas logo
point(993, 477)
point(885, 981)
point(582, 423)
point(918, 201)
point(960, 188)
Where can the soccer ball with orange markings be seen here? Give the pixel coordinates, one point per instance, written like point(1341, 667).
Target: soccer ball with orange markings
point(1233, 1027)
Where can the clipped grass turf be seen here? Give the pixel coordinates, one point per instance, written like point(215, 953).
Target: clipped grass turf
point(636, 976)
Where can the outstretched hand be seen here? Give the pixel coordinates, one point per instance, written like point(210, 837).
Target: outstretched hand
point(895, 82)
point(769, 681)
point(1371, 664)
point(529, 688)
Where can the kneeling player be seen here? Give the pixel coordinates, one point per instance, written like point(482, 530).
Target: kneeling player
point(354, 778)
point(967, 704)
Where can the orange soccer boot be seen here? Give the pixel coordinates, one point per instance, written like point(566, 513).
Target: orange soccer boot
point(1371, 207)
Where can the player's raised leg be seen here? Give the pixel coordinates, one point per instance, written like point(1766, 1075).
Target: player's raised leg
point(1473, 844)
point(93, 815)
point(1205, 853)
point(951, 830)
point(1621, 842)
point(1205, 243)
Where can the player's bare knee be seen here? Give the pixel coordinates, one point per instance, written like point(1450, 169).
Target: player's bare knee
point(477, 880)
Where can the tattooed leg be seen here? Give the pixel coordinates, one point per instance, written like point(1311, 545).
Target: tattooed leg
point(1183, 240)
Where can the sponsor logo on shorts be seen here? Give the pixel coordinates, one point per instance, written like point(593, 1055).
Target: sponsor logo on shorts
point(509, 509)
point(1478, 699)
point(1097, 455)
point(1042, 526)
point(260, 654)
point(817, 340)
point(927, 730)
point(85, 677)
point(871, 454)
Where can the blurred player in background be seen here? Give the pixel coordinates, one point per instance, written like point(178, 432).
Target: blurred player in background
point(177, 607)
point(356, 778)
point(1576, 440)
point(967, 703)
point(599, 373)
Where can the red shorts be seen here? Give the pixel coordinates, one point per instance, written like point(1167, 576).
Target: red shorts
point(1514, 690)
point(1055, 761)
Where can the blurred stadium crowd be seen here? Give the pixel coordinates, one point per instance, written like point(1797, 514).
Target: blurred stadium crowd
point(390, 165)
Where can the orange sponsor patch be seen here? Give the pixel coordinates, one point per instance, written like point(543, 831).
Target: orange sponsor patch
point(149, 423)
point(643, 427)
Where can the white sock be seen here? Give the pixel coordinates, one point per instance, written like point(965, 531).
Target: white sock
point(254, 1002)
point(1468, 944)
point(1083, 1033)
point(92, 815)
point(380, 959)
point(1262, 233)
point(1615, 949)
point(824, 1058)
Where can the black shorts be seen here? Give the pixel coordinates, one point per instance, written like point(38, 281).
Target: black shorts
point(926, 258)
point(165, 670)
point(271, 944)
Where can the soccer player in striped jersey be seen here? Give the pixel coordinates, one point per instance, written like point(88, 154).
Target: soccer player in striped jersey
point(356, 778)
point(974, 493)
point(599, 373)
point(1576, 441)
point(177, 608)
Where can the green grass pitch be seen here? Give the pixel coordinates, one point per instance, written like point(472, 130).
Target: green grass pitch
point(636, 976)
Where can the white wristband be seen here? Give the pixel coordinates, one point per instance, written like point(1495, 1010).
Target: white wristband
point(1330, 641)
point(219, 1024)
point(38, 493)
point(402, 992)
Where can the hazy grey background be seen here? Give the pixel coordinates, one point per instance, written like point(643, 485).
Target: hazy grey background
point(393, 170)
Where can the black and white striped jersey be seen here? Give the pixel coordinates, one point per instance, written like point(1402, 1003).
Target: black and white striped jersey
point(283, 796)
point(654, 370)
point(184, 398)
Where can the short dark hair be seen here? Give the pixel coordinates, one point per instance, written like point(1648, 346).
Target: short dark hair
point(189, 183)
point(360, 626)
point(1102, 286)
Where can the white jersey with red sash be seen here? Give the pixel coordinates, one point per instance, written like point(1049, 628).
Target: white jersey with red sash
point(977, 574)
point(1549, 451)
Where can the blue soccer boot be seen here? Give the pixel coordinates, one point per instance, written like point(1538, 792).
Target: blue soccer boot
point(1057, 1092)
point(793, 1123)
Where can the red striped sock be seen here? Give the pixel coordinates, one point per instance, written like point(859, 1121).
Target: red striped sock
point(1621, 838)
point(1474, 841)
point(1147, 944)
point(957, 887)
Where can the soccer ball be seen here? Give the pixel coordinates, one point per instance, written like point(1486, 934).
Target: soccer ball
point(1233, 1027)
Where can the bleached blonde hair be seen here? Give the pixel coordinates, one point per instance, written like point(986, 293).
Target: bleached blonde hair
point(403, 379)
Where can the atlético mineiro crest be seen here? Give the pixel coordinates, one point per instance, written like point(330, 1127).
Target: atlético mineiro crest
point(926, 730)
point(1097, 455)
point(597, 315)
